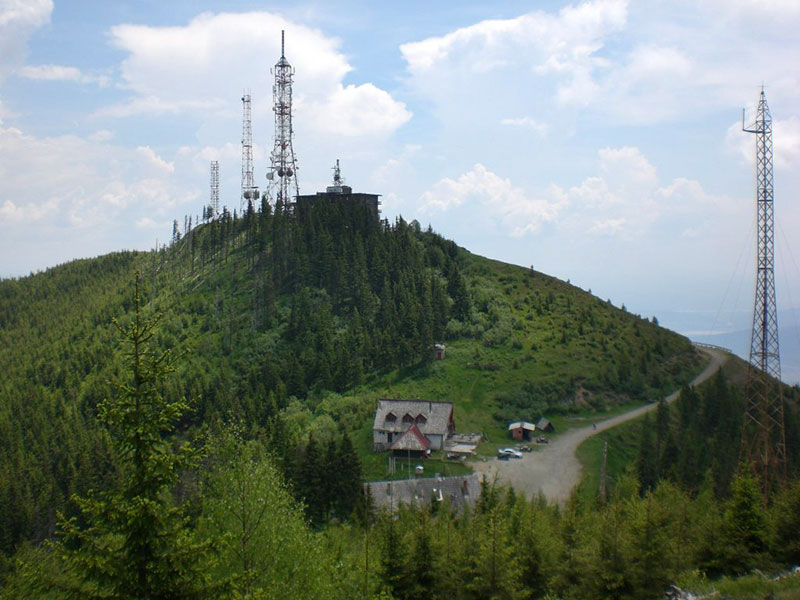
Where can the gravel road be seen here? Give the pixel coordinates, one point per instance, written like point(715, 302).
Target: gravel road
point(554, 470)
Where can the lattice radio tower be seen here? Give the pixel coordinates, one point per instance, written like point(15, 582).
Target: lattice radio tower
point(282, 174)
point(249, 189)
point(764, 434)
point(214, 204)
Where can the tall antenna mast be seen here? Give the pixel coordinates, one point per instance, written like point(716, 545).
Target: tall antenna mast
point(214, 204)
point(282, 174)
point(764, 434)
point(249, 189)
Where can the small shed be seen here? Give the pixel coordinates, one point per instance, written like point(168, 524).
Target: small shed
point(545, 425)
point(521, 430)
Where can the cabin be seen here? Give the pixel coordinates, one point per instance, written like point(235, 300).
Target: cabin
point(394, 418)
point(522, 431)
point(545, 425)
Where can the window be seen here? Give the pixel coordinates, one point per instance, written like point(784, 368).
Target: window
point(408, 419)
point(421, 420)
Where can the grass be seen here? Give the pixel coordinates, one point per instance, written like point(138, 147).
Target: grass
point(563, 423)
point(754, 586)
point(623, 447)
point(535, 346)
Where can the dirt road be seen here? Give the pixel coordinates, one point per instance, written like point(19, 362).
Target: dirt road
point(554, 470)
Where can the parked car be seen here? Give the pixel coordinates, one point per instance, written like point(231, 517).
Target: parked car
point(508, 453)
point(542, 440)
point(523, 448)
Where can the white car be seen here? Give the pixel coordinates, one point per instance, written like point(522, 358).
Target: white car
point(508, 453)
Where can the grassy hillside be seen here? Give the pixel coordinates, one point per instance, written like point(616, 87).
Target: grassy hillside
point(298, 323)
point(694, 444)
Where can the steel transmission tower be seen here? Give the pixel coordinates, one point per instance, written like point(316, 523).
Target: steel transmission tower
point(214, 204)
point(282, 174)
point(249, 189)
point(764, 435)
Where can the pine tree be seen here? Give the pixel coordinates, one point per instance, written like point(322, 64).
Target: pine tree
point(349, 478)
point(310, 482)
point(647, 461)
point(393, 556)
point(744, 525)
point(137, 543)
point(422, 559)
point(787, 524)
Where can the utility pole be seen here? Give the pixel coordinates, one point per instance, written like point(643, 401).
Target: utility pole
point(764, 433)
point(603, 491)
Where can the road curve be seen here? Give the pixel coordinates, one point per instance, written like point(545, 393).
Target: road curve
point(555, 470)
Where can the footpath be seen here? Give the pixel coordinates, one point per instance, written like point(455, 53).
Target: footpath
point(555, 470)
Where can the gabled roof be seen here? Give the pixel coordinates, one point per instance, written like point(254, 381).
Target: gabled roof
point(437, 415)
point(459, 491)
point(543, 423)
point(523, 424)
point(411, 440)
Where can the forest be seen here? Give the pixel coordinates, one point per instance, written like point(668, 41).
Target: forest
point(187, 422)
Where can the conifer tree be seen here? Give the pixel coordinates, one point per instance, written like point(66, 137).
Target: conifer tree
point(136, 543)
point(349, 478)
point(647, 461)
point(745, 528)
point(310, 482)
point(393, 556)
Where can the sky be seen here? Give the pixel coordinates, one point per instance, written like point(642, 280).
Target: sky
point(598, 141)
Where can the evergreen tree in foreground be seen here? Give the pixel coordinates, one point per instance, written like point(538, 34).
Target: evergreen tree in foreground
point(136, 542)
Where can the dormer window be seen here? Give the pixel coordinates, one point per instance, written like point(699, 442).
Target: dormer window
point(421, 420)
point(391, 418)
point(408, 419)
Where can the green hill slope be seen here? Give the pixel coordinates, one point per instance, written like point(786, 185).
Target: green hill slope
point(297, 323)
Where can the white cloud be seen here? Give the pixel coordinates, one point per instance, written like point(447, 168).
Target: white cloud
point(608, 226)
point(60, 73)
point(625, 199)
point(4, 112)
point(153, 105)
point(526, 122)
point(101, 135)
point(358, 110)
point(600, 57)
point(202, 66)
point(154, 159)
point(786, 143)
point(627, 170)
point(564, 44)
point(154, 225)
point(88, 182)
point(519, 212)
point(750, 9)
point(18, 20)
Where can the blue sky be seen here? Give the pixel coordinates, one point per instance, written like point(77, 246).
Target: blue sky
point(598, 141)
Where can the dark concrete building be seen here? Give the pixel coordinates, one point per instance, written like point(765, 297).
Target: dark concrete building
point(338, 192)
